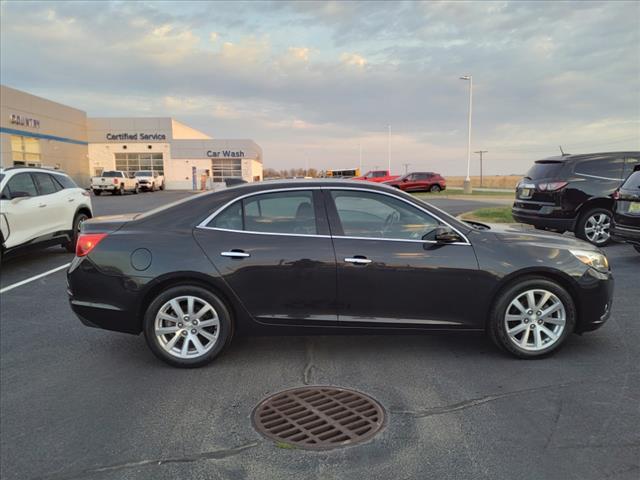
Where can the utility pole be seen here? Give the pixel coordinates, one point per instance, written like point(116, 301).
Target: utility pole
point(406, 167)
point(360, 164)
point(481, 152)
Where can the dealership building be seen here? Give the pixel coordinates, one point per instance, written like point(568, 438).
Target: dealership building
point(38, 132)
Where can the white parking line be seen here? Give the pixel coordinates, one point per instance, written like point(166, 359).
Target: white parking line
point(33, 279)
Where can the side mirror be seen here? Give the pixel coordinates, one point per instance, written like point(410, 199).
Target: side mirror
point(405, 179)
point(446, 234)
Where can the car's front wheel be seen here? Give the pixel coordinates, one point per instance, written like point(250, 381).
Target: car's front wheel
point(532, 318)
point(593, 226)
point(187, 326)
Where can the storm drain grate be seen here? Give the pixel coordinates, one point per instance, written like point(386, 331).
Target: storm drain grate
point(319, 418)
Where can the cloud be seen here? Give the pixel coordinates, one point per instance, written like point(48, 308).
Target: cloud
point(322, 74)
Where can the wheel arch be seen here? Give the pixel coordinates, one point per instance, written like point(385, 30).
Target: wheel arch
point(561, 278)
point(597, 202)
point(82, 209)
point(196, 279)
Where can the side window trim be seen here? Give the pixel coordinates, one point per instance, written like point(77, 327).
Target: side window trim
point(328, 206)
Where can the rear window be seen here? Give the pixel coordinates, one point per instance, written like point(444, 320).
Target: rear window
point(111, 174)
point(633, 181)
point(545, 169)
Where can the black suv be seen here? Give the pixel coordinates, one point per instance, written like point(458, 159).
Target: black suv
point(573, 192)
point(626, 212)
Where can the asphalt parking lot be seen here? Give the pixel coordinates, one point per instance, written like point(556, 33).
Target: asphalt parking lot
point(77, 402)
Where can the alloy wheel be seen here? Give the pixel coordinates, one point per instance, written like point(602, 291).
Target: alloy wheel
point(535, 320)
point(187, 327)
point(596, 228)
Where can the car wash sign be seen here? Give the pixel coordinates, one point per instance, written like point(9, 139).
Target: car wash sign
point(225, 154)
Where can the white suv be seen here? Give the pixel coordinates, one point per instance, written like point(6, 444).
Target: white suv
point(40, 206)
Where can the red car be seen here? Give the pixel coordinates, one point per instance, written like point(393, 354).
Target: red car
point(377, 176)
point(419, 181)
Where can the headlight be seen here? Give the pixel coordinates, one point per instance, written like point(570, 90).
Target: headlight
point(593, 259)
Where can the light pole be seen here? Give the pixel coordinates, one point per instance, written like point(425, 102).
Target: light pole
point(406, 167)
point(467, 181)
point(389, 151)
point(481, 152)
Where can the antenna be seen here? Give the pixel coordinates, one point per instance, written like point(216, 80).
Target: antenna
point(561, 151)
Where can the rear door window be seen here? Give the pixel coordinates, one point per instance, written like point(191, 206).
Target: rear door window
point(281, 212)
point(64, 181)
point(46, 184)
point(606, 168)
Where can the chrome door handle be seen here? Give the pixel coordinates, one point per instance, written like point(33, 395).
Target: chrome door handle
point(235, 254)
point(357, 260)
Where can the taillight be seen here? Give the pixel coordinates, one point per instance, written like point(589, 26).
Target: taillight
point(616, 195)
point(115, 181)
point(87, 242)
point(551, 186)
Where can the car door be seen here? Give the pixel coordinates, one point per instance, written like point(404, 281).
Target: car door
point(56, 203)
point(274, 251)
point(388, 275)
point(23, 209)
point(409, 182)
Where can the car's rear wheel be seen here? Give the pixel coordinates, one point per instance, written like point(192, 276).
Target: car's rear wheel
point(187, 326)
point(97, 193)
point(70, 246)
point(532, 318)
point(435, 188)
point(593, 226)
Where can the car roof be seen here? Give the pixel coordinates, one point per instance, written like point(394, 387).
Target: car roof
point(19, 169)
point(579, 156)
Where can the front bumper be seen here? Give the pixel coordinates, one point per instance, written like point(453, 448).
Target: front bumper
point(594, 300)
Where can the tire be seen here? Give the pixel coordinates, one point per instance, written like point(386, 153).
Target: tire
point(173, 353)
point(97, 193)
point(162, 186)
point(80, 217)
point(136, 190)
point(599, 220)
point(435, 188)
point(532, 339)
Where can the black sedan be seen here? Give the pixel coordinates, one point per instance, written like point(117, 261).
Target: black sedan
point(306, 257)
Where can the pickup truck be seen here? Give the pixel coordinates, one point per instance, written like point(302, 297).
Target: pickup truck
point(148, 180)
point(115, 181)
point(377, 176)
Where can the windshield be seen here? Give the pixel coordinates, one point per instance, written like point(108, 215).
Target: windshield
point(632, 182)
point(111, 174)
point(144, 173)
point(545, 169)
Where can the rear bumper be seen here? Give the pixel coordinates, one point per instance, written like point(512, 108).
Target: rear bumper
point(85, 288)
point(104, 187)
point(625, 234)
point(543, 221)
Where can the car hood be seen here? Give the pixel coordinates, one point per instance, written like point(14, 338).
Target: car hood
point(519, 233)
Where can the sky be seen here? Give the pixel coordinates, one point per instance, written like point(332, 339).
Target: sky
point(313, 82)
